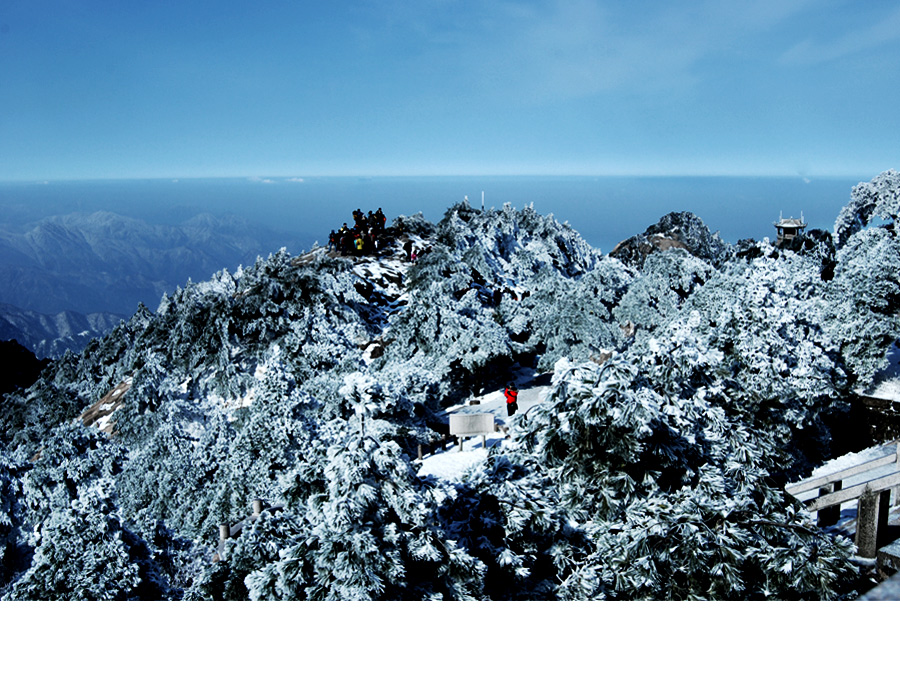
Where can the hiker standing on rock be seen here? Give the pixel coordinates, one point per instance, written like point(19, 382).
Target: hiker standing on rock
point(511, 394)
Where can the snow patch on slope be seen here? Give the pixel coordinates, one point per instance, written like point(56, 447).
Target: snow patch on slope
point(886, 384)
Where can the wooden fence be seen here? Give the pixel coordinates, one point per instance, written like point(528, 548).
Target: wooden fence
point(869, 483)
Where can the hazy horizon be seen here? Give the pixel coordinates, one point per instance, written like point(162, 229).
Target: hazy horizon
point(603, 209)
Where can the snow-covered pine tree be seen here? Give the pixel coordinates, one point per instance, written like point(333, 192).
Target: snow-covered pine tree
point(506, 515)
point(766, 315)
point(357, 525)
point(667, 279)
point(450, 325)
point(569, 317)
point(863, 300)
point(11, 517)
point(80, 553)
point(878, 198)
point(672, 490)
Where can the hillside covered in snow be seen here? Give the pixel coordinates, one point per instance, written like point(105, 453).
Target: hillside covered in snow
point(675, 388)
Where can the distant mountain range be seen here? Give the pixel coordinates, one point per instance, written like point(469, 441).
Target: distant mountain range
point(50, 335)
point(67, 278)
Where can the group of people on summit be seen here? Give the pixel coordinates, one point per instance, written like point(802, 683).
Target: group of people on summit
point(363, 238)
point(366, 236)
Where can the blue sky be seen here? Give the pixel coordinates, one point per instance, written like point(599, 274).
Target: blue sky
point(276, 88)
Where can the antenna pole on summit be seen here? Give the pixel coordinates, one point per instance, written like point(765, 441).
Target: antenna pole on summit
point(482, 200)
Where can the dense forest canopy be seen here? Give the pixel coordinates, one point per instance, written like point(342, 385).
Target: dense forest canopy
point(690, 381)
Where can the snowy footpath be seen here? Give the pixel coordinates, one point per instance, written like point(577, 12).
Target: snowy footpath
point(453, 464)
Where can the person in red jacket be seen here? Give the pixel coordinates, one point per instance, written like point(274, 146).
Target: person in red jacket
point(511, 394)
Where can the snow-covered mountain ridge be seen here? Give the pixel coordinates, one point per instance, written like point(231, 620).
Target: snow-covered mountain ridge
point(51, 335)
point(102, 265)
point(684, 392)
point(675, 230)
